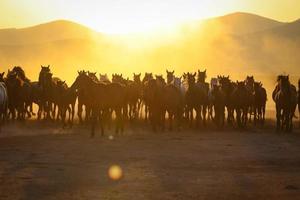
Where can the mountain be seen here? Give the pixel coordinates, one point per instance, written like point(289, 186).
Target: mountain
point(238, 43)
point(48, 32)
point(240, 23)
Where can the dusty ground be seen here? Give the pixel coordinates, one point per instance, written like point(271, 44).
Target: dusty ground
point(49, 163)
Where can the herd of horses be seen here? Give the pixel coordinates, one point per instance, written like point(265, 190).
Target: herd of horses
point(174, 102)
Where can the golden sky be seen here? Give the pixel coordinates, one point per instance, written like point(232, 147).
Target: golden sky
point(125, 16)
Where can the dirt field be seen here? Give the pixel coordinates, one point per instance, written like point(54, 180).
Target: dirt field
point(49, 163)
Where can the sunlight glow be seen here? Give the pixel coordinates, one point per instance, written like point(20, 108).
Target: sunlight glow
point(132, 16)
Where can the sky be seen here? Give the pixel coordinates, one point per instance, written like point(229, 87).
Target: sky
point(125, 16)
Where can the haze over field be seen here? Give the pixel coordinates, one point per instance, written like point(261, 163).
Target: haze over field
point(236, 44)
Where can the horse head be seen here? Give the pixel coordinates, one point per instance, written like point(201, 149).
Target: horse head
point(137, 78)
point(170, 76)
point(2, 77)
point(81, 80)
point(147, 77)
point(201, 76)
point(160, 80)
point(191, 78)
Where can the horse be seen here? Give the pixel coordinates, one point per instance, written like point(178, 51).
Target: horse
point(213, 86)
point(227, 87)
point(259, 105)
point(249, 84)
point(14, 91)
point(83, 100)
point(201, 77)
point(195, 99)
point(173, 101)
point(240, 99)
point(145, 93)
point(67, 100)
point(299, 99)
point(93, 76)
point(45, 84)
point(217, 99)
point(285, 98)
point(154, 92)
point(134, 95)
point(3, 100)
point(102, 97)
point(104, 78)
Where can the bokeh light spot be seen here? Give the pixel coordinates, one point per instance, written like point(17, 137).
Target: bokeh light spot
point(115, 172)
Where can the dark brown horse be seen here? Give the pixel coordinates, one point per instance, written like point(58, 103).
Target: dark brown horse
point(83, 102)
point(259, 105)
point(285, 98)
point(154, 93)
point(218, 100)
point(196, 98)
point(102, 97)
point(134, 96)
point(66, 103)
point(240, 99)
point(227, 87)
point(14, 90)
point(145, 93)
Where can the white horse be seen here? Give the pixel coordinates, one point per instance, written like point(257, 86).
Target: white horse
point(3, 103)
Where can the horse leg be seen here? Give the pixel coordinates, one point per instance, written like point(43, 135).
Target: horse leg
point(170, 119)
point(204, 115)
point(79, 112)
point(278, 118)
point(118, 120)
point(94, 121)
point(72, 114)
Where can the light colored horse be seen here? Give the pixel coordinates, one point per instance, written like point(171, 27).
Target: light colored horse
point(3, 103)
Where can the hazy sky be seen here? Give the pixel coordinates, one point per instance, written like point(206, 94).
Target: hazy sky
point(117, 16)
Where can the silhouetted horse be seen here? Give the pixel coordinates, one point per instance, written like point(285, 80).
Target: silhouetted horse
point(3, 101)
point(101, 98)
point(14, 90)
point(196, 99)
point(249, 82)
point(227, 87)
point(201, 77)
point(45, 84)
point(259, 105)
point(83, 100)
point(104, 78)
point(154, 93)
point(240, 99)
point(67, 100)
point(145, 93)
point(93, 76)
point(134, 96)
point(217, 99)
point(285, 98)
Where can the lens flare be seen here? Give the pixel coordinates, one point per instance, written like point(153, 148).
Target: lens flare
point(115, 172)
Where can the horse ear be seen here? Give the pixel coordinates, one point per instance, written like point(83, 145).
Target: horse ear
point(167, 71)
point(205, 71)
point(139, 74)
point(173, 71)
point(195, 73)
point(41, 66)
point(48, 67)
